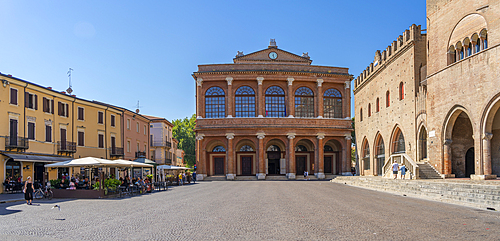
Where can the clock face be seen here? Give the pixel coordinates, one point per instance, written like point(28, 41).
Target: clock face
point(273, 55)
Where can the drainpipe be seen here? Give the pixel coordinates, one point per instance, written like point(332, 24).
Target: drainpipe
point(24, 108)
point(73, 123)
point(106, 132)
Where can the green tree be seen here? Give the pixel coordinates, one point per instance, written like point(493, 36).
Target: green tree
point(183, 131)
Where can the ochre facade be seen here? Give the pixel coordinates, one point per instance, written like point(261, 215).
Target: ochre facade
point(448, 118)
point(265, 114)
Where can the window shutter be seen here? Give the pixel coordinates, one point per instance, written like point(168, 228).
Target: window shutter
point(26, 97)
point(44, 104)
point(59, 108)
point(13, 96)
point(48, 134)
point(36, 102)
point(67, 110)
point(52, 106)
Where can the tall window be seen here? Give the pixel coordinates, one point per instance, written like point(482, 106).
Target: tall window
point(366, 156)
point(63, 109)
point(485, 42)
point(113, 120)
point(215, 103)
point(304, 102)
point(387, 99)
point(100, 117)
point(100, 140)
point(245, 102)
point(128, 124)
point(30, 101)
point(378, 105)
point(81, 138)
point(137, 127)
point(80, 113)
point(275, 102)
point(332, 104)
point(369, 110)
point(399, 142)
point(31, 130)
point(48, 133)
point(361, 114)
point(13, 96)
point(401, 91)
point(48, 105)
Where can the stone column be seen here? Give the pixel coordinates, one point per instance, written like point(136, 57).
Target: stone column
point(346, 157)
point(346, 100)
point(487, 153)
point(199, 98)
point(261, 174)
point(447, 157)
point(229, 97)
point(319, 102)
point(291, 156)
point(230, 157)
point(260, 98)
point(320, 164)
point(290, 109)
point(200, 158)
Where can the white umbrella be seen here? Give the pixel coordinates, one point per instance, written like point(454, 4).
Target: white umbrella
point(125, 163)
point(82, 162)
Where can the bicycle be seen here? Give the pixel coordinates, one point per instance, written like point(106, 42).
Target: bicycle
point(40, 193)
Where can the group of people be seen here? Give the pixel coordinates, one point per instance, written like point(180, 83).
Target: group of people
point(11, 183)
point(396, 167)
point(183, 178)
point(144, 184)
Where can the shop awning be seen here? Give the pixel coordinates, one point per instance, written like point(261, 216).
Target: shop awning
point(144, 160)
point(167, 167)
point(36, 158)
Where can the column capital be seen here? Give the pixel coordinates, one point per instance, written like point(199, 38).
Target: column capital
point(290, 135)
point(199, 81)
point(230, 136)
point(261, 135)
point(320, 82)
point(260, 80)
point(320, 136)
point(290, 80)
point(200, 137)
point(348, 137)
point(347, 84)
point(229, 80)
point(447, 142)
point(487, 136)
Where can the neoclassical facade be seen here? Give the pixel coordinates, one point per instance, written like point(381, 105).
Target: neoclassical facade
point(442, 95)
point(272, 113)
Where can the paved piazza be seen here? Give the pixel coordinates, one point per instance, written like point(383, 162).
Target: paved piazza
point(250, 210)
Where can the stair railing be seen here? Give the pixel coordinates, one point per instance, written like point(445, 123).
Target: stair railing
point(401, 158)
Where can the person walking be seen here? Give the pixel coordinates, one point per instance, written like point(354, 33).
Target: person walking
point(395, 168)
point(28, 191)
point(180, 179)
point(194, 177)
point(403, 171)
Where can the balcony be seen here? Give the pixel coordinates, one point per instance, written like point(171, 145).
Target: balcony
point(161, 144)
point(116, 151)
point(140, 154)
point(66, 146)
point(16, 142)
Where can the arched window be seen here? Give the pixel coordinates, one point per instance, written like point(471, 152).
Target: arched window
point(12, 169)
point(378, 105)
point(484, 39)
point(401, 91)
point(332, 104)
point(366, 156)
point(361, 114)
point(246, 148)
point(452, 57)
point(219, 149)
point(485, 42)
point(275, 102)
point(245, 102)
point(467, 47)
point(304, 102)
point(477, 46)
point(399, 142)
point(300, 148)
point(387, 99)
point(273, 148)
point(380, 155)
point(215, 104)
point(327, 149)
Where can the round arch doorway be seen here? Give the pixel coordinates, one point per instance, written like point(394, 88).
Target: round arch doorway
point(273, 160)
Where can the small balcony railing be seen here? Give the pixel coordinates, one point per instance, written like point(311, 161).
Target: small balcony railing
point(139, 154)
point(162, 143)
point(66, 146)
point(116, 151)
point(168, 161)
point(18, 142)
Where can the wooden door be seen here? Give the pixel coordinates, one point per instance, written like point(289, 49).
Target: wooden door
point(219, 165)
point(63, 139)
point(327, 160)
point(13, 132)
point(246, 165)
point(300, 164)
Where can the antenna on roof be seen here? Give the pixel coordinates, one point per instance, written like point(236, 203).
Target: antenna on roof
point(69, 90)
point(138, 106)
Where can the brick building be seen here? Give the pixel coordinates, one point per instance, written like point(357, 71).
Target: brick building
point(272, 113)
point(433, 97)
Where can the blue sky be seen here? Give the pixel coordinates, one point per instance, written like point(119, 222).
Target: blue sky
point(128, 51)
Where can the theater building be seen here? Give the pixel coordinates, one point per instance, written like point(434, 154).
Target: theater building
point(272, 113)
point(433, 96)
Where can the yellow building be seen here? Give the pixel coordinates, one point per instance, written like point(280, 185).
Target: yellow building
point(40, 126)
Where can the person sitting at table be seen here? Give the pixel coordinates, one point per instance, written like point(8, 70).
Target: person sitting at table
point(7, 184)
point(85, 183)
point(72, 185)
point(63, 184)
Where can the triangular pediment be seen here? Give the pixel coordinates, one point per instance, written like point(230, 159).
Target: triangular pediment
point(272, 55)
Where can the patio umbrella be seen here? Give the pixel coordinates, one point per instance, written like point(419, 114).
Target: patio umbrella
point(82, 162)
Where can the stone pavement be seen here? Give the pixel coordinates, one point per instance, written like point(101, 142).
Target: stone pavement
point(250, 210)
point(11, 197)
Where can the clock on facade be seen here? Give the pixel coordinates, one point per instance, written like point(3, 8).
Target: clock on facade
point(273, 55)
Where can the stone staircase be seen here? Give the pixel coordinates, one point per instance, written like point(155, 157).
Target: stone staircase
point(427, 171)
point(215, 178)
point(245, 178)
point(481, 194)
